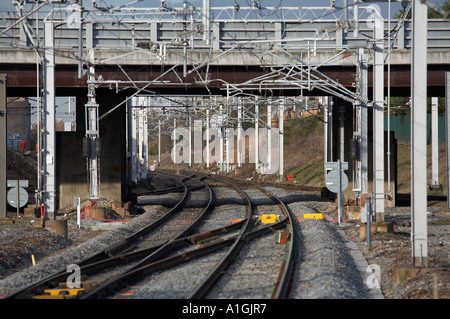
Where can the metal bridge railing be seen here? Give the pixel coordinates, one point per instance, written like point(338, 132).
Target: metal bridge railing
point(256, 35)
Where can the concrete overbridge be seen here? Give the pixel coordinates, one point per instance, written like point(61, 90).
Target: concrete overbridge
point(235, 68)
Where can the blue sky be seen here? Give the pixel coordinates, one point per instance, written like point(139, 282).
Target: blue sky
point(6, 5)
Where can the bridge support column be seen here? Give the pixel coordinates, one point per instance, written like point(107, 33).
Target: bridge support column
point(378, 117)
point(419, 135)
point(49, 165)
point(74, 182)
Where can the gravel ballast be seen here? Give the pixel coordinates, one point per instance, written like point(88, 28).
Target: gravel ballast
point(325, 266)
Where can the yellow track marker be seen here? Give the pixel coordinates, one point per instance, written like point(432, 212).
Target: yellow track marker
point(313, 216)
point(67, 291)
point(269, 218)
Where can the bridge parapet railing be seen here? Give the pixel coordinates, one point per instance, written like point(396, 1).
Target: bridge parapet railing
point(226, 32)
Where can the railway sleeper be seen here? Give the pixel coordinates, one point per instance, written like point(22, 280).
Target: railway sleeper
point(196, 239)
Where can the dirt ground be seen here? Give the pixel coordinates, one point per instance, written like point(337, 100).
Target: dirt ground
point(392, 252)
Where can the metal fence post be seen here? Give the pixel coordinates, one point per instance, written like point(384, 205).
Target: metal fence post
point(3, 145)
point(369, 221)
point(339, 191)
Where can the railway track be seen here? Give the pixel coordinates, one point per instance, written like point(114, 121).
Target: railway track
point(181, 236)
point(256, 251)
point(145, 243)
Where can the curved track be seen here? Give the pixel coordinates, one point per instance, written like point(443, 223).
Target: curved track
point(141, 255)
point(136, 247)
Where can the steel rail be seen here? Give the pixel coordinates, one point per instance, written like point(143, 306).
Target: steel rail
point(282, 285)
point(97, 266)
point(149, 265)
point(153, 264)
point(135, 275)
point(126, 243)
point(115, 250)
point(170, 244)
point(157, 254)
point(224, 263)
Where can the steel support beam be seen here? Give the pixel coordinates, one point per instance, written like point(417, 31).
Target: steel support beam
point(220, 135)
point(378, 117)
point(159, 142)
point(174, 136)
point(256, 134)
point(3, 146)
point(434, 143)
point(132, 139)
point(326, 142)
point(140, 136)
point(281, 137)
point(269, 135)
point(93, 131)
point(239, 135)
point(364, 136)
point(341, 111)
point(419, 135)
point(49, 165)
point(330, 128)
point(355, 18)
point(206, 21)
point(207, 138)
point(190, 140)
point(145, 139)
point(227, 137)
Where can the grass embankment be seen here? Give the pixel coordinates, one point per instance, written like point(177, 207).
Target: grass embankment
point(303, 157)
point(303, 154)
point(303, 151)
point(404, 169)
